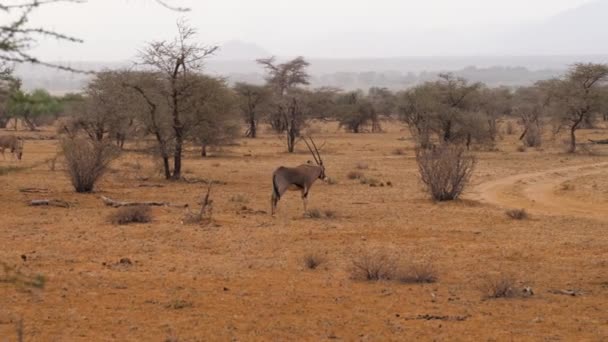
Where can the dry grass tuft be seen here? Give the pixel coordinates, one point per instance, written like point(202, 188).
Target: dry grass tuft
point(418, 273)
point(381, 265)
point(331, 181)
point(501, 286)
point(374, 266)
point(355, 175)
point(517, 214)
point(134, 214)
point(313, 260)
point(178, 304)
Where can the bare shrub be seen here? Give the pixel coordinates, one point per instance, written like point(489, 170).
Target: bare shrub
point(314, 213)
point(330, 214)
point(517, 214)
point(132, 214)
point(320, 214)
point(373, 266)
point(355, 175)
point(204, 215)
point(86, 161)
point(418, 273)
point(501, 286)
point(313, 260)
point(371, 181)
point(445, 170)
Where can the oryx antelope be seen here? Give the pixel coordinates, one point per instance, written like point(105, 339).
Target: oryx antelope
point(13, 143)
point(297, 178)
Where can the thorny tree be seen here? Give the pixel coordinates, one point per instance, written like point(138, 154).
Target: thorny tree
point(285, 80)
point(174, 63)
point(578, 97)
point(253, 102)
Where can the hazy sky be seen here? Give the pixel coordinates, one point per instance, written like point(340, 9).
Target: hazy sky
point(115, 29)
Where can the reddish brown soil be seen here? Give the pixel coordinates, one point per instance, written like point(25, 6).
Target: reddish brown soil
point(243, 276)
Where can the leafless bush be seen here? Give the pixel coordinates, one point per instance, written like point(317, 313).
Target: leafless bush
point(132, 214)
point(86, 161)
point(445, 171)
point(373, 266)
point(320, 214)
point(313, 260)
point(355, 175)
point(517, 214)
point(422, 272)
point(314, 213)
point(501, 286)
point(371, 181)
point(330, 214)
point(205, 214)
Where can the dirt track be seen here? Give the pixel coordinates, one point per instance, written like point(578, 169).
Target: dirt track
point(536, 192)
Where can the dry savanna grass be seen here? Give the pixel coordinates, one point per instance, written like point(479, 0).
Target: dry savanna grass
point(379, 264)
point(131, 214)
point(517, 214)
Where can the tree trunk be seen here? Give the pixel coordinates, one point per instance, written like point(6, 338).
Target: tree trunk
point(447, 131)
point(204, 150)
point(166, 167)
point(252, 127)
point(4, 122)
point(573, 138)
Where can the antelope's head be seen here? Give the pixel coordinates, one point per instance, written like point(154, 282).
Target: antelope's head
point(317, 156)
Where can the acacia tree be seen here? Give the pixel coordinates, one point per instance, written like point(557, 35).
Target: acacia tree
point(285, 80)
point(492, 104)
point(103, 112)
point(382, 103)
point(416, 108)
point(578, 97)
point(355, 111)
point(174, 63)
point(253, 101)
point(29, 107)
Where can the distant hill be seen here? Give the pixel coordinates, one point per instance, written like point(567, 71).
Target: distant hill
point(239, 50)
point(583, 30)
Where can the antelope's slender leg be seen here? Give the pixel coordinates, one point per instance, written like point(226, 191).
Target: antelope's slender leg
point(305, 199)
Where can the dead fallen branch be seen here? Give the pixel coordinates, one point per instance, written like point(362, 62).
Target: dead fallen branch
point(34, 190)
point(602, 142)
point(568, 292)
point(50, 203)
point(116, 204)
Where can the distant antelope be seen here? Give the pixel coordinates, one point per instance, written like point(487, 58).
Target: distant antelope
point(13, 143)
point(297, 178)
